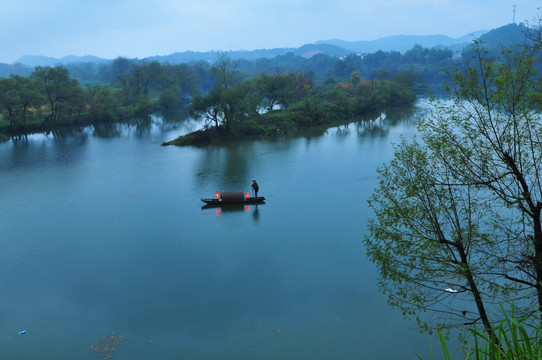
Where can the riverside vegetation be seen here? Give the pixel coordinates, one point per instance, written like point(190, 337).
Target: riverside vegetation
point(457, 230)
point(269, 105)
point(235, 106)
point(263, 97)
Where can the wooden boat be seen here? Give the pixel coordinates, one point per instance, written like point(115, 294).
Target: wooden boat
point(226, 198)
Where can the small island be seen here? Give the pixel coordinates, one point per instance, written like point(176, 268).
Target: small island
point(269, 105)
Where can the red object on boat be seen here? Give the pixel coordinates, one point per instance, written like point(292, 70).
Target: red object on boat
point(234, 198)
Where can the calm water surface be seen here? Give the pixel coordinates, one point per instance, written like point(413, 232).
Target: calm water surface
point(104, 232)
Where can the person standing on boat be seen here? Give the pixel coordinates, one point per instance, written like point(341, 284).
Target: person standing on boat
point(255, 188)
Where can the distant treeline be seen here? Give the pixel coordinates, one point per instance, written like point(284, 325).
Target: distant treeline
point(51, 97)
point(321, 88)
point(429, 63)
point(381, 65)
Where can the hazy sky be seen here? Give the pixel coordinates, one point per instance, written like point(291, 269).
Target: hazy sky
point(141, 28)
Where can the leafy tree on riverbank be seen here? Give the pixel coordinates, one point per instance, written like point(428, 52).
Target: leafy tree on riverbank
point(222, 106)
point(18, 95)
point(281, 90)
point(105, 104)
point(457, 225)
point(63, 95)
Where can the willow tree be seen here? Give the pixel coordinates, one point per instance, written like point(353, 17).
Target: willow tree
point(457, 226)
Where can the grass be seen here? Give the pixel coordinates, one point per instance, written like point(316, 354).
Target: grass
point(518, 340)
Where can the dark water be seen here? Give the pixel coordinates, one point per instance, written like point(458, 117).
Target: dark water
point(104, 232)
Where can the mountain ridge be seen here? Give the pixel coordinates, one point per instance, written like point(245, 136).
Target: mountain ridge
point(332, 47)
point(403, 43)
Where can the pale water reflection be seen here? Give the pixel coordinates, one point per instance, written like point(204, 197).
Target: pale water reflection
point(105, 235)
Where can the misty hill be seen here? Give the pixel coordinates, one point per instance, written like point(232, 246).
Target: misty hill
point(333, 48)
point(305, 51)
point(508, 36)
point(505, 35)
point(403, 43)
point(35, 60)
point(38, 60)
point(194, 56)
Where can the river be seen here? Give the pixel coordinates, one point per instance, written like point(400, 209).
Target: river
point(104, 232)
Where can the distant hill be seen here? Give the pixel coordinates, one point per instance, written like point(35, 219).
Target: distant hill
point(337, 47)
point(508, 36)
point(193, 56)
point(38, 60)
point(403, 43)
point(305, 50)
point(505, 35)
point(86, 58)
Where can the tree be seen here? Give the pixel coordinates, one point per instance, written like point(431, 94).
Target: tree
point(119, 66)
point(278, 89)
point(410, 80)
point(178, 84)
point(170, 99)
point(18, 95)
point(137, 82)
point(8, 98)
point(226, 104)
point(63, 94)
point(416, 54)
point(458, 215)
point(208, 108)
point(104, 104)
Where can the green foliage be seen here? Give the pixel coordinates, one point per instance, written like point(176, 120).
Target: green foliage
point(176, 85)
point(64, 97)
point(517, 339)
point(207, 107)
point(120, 65)
point(444, 346)
point(50, 98)
point(457, 225)
point(277, 90)
point(18, 95)
point(170, 99)
point(424, 237)
point(137, 82)
point(235, 104)
point(269, 105)
point(104, 105)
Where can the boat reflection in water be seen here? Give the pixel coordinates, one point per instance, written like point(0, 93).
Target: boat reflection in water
point(235, 202)
point(233, 198)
